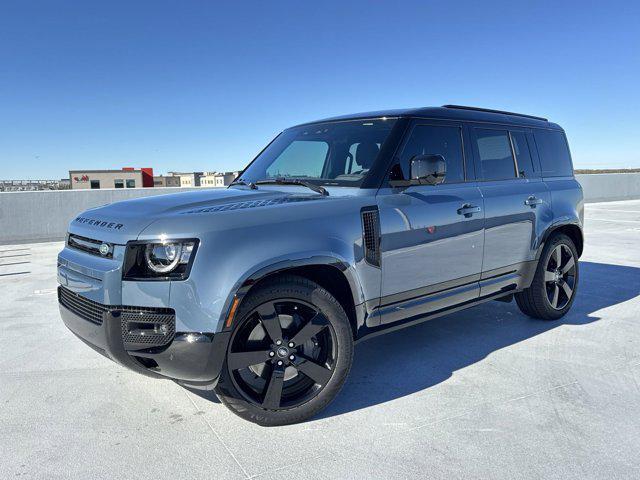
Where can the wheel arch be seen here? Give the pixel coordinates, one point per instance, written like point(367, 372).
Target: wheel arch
point(570, 229)
point(331, 273)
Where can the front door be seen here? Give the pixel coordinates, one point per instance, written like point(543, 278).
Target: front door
point(431, 235)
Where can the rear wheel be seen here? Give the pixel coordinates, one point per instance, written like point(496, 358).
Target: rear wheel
point(555, 283)
point(289, 354)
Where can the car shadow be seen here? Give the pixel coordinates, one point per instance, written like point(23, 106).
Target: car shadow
point(410, 360)
point(413, 359)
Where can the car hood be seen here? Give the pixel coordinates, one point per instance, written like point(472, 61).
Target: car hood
point(122, 221)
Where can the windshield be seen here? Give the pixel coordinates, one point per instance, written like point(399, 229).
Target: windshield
point(337, 153)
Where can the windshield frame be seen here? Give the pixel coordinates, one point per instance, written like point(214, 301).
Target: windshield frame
point(371, 179)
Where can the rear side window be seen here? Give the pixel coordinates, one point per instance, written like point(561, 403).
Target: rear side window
point(494, 152)
point(435, 140)
point(553, 150)
point(523, 155)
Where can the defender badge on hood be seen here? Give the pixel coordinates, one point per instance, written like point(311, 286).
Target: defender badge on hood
point(99, 223)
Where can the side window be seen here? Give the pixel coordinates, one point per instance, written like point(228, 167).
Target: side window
point(435, 140)
point(523, 155)
point(302, 158)
point(494, 152)
point(553, 150)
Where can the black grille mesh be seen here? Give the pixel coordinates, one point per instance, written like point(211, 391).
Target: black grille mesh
point(137, 327)
point(81, 306)
point(371, 236)
point(137, 322)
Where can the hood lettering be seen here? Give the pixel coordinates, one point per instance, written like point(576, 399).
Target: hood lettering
point(98, 223)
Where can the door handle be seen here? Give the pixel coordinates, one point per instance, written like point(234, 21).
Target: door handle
point(468, 210)
point(532, 201)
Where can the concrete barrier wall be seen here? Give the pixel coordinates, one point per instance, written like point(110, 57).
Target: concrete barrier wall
point(608, 187)
point(44, 216)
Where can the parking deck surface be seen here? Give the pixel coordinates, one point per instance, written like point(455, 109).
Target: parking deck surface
point(483, 393)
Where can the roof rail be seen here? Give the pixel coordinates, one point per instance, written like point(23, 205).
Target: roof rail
point(478, 109)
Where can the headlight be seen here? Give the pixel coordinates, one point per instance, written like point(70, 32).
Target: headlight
point(165, 260)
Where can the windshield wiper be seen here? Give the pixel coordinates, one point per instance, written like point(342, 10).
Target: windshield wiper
point(294, 181)
point(239, 181)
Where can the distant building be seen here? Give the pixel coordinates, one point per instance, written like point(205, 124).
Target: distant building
point(125, 178)
point(166, 181)
point(188, 179)
point(33, 185)
point(217, 179)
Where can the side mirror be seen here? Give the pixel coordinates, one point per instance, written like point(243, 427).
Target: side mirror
point(428, 169)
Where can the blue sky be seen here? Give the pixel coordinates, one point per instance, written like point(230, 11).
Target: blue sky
point(205, 85)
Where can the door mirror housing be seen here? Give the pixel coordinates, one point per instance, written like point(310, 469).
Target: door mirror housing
point(428, 169)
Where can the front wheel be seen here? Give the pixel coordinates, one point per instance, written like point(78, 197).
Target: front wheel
point(555, 282)
point(289, 354)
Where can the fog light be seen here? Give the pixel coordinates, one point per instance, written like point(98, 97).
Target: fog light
point(160, 328)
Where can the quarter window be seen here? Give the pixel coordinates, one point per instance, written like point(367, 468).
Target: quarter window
point(553, 150)
point(436, 140)
point(494, 152)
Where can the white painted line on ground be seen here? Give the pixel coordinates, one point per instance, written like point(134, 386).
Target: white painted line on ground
point(46, 291)
point(611, 210)
point(611, 221)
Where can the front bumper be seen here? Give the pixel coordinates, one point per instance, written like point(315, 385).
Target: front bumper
point(191, 358)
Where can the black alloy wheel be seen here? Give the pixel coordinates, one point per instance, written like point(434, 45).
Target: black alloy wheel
point(555, 282)
point(283, 355)
point(560, 276)
point(289, 353)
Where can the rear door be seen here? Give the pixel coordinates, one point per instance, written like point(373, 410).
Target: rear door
point(432, 235)
point(516, 201)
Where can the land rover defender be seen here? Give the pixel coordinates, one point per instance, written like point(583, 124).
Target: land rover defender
point(339, 230)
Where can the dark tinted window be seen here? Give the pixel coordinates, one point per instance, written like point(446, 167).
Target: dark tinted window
point(523, 155)
point(554, 153)
point(433, 140)
point(494, 152)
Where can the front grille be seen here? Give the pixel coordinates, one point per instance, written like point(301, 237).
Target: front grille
point(142, 327)
point(89, 245)
point(83, 307)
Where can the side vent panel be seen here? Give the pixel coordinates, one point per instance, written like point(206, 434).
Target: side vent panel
point(371, 235)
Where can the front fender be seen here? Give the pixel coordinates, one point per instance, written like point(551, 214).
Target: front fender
point(276, 265)
point(221, 273)
point(236, 247)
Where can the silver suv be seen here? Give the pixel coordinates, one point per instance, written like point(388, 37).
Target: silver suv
point(337, 231)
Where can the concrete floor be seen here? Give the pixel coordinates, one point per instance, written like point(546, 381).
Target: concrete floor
point(485, 393)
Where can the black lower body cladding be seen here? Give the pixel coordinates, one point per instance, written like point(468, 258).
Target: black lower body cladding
point(191, 358)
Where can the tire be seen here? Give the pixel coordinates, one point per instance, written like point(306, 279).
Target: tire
point(284, 384)
point(555, 283)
